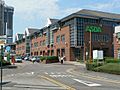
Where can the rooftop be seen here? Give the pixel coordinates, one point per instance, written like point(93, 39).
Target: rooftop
point(94, 14)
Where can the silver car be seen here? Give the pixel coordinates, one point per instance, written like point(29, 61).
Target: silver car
point(18, 59)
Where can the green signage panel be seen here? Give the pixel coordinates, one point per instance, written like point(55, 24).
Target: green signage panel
point(91, 28)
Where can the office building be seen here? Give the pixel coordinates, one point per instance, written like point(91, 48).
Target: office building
point(6, 23)
point(76, 35)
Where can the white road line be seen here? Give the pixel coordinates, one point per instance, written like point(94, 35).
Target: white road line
point(32, 73)
point(52, 73)
point(70, 75)
point(90, 84)
point(61, 76)
point(46, 73)
point(58, 72)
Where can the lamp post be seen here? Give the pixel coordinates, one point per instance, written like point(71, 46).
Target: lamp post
point(84, 53)
point(1, 29)
point(90, 51)
point(1, 59)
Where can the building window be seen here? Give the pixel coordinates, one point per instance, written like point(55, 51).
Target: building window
point(36, 44)
point(100, 38)
point(43, 44)
point(58, 39)
point(23, 47)
point(40, 43)
point(31, 45)
point(52, 52)
point(63, 38)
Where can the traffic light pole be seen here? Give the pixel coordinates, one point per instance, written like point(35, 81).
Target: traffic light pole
point(1, 57)
point(1, 73)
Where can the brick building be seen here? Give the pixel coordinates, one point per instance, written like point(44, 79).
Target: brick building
point(70, 36)
point(117, 42)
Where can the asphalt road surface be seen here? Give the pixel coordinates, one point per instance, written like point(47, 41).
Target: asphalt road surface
point(69, 76)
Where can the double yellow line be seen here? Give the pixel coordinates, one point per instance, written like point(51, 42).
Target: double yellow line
point(58, 83)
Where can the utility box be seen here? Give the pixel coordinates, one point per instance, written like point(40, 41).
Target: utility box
point(97, 54)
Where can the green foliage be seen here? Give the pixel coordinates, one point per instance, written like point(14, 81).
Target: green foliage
point(42, 58)
point(91, 66)
point(111, 60)
point(110, 65)
point(113, 68)
point(52, 58)
point(4, 63)
point(48, 58)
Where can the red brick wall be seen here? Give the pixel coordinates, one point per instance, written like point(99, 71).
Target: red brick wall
point(39, 48)
point(116, 46)
point(22, 50)
point(63, 31)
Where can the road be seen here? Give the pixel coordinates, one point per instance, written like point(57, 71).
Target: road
point(29, 76)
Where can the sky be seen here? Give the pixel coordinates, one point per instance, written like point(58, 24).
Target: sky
point(34, 13)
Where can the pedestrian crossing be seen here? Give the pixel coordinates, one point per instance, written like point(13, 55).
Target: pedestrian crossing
point(58, 74)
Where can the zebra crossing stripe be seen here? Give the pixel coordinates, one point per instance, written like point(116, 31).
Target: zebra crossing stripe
point(52, 73)
point(46, 73)
point(61, 75)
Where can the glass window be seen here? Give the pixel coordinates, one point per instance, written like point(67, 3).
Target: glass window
point(58, 39)
point(36, 44)
point(63, 38)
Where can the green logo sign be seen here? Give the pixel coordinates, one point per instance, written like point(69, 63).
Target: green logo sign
point(93, 29)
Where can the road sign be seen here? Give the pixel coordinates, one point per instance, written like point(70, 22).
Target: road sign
point(8, 48)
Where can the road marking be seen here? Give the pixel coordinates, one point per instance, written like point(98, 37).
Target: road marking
point(32, 73)
point(58, 74)
point(52, 73)
point(90, 84)
point(93, 77)
point(7, 88)
point(20, 74)
point(46, 73)
point(61, 76)
point(58, 83)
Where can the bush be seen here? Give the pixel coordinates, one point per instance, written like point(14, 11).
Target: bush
point(52, 58)
point(4, 63)
point(111, 60)
point(113, 68)
point(91, 66)
point(48, 58)
point(42, 58)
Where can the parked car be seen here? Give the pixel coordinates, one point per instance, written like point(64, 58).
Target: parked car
point(18, 59)
point(35, 59)
point(26, 58)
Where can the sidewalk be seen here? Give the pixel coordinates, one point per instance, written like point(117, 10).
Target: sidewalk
point(10, 66)
point(16, 65)
point(74, 63)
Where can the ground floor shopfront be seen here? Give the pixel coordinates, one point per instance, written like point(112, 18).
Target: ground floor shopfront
point(71, 54)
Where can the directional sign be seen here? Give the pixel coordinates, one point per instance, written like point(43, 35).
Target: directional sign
point(8, 48)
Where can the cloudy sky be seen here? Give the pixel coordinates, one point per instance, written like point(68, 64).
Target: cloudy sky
point(34, 13)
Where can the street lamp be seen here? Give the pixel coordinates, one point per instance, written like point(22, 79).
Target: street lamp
point(90, 51)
